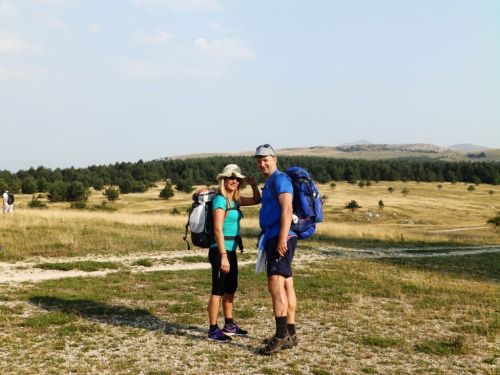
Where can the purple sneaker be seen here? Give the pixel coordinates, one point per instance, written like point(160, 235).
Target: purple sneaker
point(233, 329)
point(217, 335)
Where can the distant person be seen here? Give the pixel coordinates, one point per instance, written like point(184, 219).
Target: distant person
point(278, 243)
point(222, 252)
point(8, 202)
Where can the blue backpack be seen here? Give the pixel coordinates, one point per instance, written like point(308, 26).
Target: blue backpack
point(307, 204)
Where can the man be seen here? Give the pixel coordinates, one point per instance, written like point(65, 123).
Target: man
point(7, 208)
point(278, 243)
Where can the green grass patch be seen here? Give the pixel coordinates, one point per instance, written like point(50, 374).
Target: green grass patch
point(455, 346)
point(368, 370)
point(193, 259)
point(382, 342)
point(46, 320)
point(478, 266)
point(490, 328)
point(75, 329)
point(143, 263)
point(87, 266)
point(17, 309)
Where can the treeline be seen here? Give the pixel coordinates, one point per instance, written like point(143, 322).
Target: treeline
point(139, 176)
point(478, 156)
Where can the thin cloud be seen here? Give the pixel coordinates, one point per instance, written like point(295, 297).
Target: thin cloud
point(183, 5)
point(58, 3)
point(6, 7)
point(158, 37)
point(95, 28)
point(203, 59)
point(20, 74)
point(11, 44)
point(228, 49)
point(47, 20)
point(217, 27)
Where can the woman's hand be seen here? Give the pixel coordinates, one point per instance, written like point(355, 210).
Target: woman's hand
point(224, 263)
point(251, 180)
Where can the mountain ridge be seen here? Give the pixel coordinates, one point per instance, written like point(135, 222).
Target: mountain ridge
point(368, 151)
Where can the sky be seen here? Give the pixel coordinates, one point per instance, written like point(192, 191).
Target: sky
point(92, 82)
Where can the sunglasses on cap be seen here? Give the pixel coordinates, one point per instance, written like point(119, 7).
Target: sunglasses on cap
point(232, 178)
point(266, 145)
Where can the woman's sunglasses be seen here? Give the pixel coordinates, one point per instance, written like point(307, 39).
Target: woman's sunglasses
point(232, 178)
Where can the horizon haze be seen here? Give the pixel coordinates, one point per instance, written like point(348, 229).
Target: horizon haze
point(90, 83)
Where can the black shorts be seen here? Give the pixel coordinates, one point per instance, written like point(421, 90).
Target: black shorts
point(277, 265)
point(223, 283)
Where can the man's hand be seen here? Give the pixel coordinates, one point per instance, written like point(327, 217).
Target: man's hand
point(282, 248)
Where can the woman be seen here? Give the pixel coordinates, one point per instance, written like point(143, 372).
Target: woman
point(222, 253)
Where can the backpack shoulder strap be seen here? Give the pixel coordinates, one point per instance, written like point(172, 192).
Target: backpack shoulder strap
point(235, 207)
point(228, 206)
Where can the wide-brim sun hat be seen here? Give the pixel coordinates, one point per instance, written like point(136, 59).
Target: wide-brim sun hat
point(229, 170)
point(264, 150)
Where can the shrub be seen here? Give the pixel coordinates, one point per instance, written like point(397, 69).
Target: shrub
point(352, 205)
point(127, 186)
point(78, 205)
point(495, 221)
point(185, 186)
point(77, 192)
point(381, 204)
point(103, 207)
point(112, 194)
point(37, 204)
point(167, 191)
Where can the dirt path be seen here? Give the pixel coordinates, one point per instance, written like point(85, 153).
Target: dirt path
point(408, 253)
point(15, 273)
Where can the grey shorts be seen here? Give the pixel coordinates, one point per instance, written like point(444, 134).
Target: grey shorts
point(8, 209)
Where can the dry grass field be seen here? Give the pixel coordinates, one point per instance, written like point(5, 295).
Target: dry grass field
point(426, 215)
point(410, 288)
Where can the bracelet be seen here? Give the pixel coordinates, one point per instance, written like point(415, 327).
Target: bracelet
point(221, 254)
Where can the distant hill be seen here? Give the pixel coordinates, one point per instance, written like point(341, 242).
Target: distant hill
point(468, 147)
point(360, 142)
point(415, 147)
point(369, 152)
